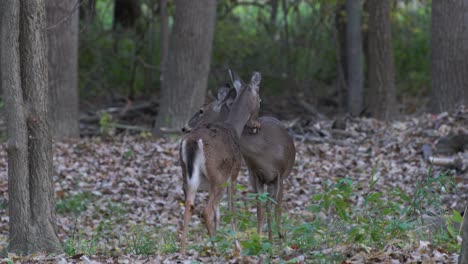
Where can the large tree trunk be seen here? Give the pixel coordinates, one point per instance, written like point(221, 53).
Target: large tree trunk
point(354, 55)
point(449, 85)
point(63, 67)
point(381, 98)
point(29, 147)
point(188, 62)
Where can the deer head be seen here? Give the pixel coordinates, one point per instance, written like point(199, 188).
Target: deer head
point(228, 95)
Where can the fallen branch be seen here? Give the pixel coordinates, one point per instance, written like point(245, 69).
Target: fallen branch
point(458, 161)
point(311, 109)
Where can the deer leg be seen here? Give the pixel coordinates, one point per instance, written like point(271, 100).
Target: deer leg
point(258, 188)
point(189, 206)
point(271, 192)
point(211, 213)
point(278, 207)
point(232, 209)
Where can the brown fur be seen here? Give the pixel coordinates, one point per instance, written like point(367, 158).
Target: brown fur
point(221, 154)
point(269, 153)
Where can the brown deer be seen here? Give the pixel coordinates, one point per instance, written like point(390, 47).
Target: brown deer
point(267, 148)
point(210, 154)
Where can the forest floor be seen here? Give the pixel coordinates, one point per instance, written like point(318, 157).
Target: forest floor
point(360, 195)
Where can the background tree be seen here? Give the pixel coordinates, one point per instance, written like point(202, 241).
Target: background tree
point(188, 62)
point(449, 85)
point(126, 13)
point(30, 187)
point(381, 98)
point(355, 59)
point(88, 10)
point(63, 30)
point(164, 34)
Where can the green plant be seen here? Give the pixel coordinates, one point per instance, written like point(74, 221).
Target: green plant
point(349, 212)
point(256, 245)
point(140, 242)
point(74, 204)
point(79, 243)
point(167, 242)
point(105, 124)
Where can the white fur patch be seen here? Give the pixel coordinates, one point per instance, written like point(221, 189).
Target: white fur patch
point(199, 170)
point(184, 151)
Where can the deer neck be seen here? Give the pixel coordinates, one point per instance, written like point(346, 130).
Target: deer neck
point(237, 119)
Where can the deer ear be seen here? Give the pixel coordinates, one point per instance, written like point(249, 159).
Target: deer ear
point(231, 97)
point(236, 81)
point(231, 75)
point(222, 93)
point(256, 79)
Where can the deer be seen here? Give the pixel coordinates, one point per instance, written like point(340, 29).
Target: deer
point(210, 155)
point(267, 148)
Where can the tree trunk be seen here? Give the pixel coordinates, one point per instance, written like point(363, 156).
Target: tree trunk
point(126, 13)
point(449, 86)
point(463, 259)
point(339, 35)
point(381, 98)
point(188, 62)
point(164, 35)
point(355, 63)
point(88, 11)
point(29, 147)
point(63, 67)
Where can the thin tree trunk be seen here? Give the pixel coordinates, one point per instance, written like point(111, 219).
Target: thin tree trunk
point(164, 35)
point(339, 34)
point(30, 186)
point(355, 60)
point(449, 85)
point(381, 98)
point(463, 259)
point(188, 62)
point(273, 15)
point(126, 13)
point(88, 11)
point(63, 23)
point(286, 38)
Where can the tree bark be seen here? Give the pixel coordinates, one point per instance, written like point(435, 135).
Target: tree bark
point(88, 11)
point(188, 62)
point(63, 28)
point(463, 259)
point(164, 35)
point(29, 146)
point(126, 13)
point(381, 98)
point(449, 85)
point(354, 54)
point(339, 35)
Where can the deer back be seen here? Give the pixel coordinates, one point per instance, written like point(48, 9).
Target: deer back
point(220, 147)
point(270, 152)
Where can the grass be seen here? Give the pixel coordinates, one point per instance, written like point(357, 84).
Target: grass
point(74, 203)
point(351, 213)
point(364, 215)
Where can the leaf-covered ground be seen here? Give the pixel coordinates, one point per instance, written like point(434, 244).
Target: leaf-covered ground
point(115, 194)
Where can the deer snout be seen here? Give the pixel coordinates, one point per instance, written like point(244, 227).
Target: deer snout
point(186, 129)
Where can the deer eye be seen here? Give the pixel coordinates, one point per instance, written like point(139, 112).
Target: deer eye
point(201, 111)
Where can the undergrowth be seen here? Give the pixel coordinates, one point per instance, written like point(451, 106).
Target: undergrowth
point(365, 215)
